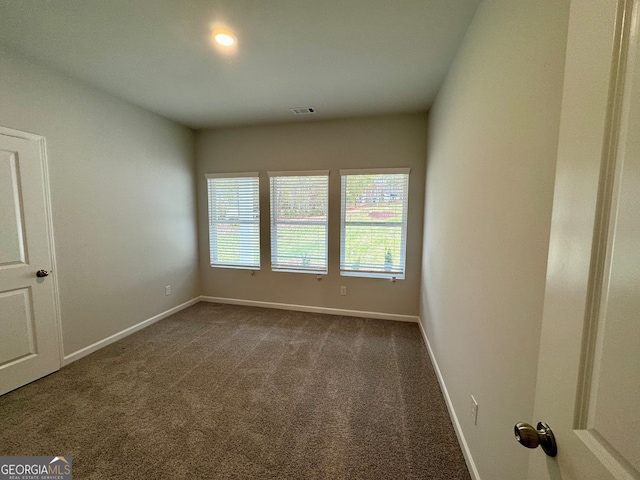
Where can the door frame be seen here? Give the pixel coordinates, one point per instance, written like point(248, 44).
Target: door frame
point(48, 213)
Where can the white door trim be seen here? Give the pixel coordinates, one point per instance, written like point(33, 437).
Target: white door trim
point(10, 132)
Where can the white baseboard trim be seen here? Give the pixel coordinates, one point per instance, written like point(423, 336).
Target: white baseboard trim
point(471, 465)
point(306, 308)
point(77, 355)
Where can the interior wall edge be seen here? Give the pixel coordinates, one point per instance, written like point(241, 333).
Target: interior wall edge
point(312, 309)
point(468, 457)
point(83, 352)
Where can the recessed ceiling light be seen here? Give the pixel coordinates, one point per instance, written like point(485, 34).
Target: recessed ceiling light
point(225, 38)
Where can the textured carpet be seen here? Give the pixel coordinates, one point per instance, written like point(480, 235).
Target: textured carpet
point(225, 392)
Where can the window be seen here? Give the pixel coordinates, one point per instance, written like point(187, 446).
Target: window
point(234, 220)
point(299, 202)
point(373, 226)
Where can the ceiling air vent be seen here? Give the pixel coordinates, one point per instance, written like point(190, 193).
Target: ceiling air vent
point(303, 110)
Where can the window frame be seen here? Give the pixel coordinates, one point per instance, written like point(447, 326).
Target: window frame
point(403, 225)
point(254, 221)
point(273, 222)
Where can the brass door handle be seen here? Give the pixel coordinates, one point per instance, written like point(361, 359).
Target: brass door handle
point(42, 273)
point(531, 437)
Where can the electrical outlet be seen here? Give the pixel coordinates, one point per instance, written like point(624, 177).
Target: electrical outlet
point(474, 410)
point(167, 290)
point(343, 290)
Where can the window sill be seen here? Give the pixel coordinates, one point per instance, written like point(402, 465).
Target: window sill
point(389, 276)
point(236, 267)
point(292, 270)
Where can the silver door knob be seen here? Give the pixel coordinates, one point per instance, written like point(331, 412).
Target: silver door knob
point(531, 437)
point(41, 273)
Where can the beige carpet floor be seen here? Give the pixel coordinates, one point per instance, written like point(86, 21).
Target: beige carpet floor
point(228, 392)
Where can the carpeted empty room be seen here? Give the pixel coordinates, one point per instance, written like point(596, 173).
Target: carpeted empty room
point(220, 391)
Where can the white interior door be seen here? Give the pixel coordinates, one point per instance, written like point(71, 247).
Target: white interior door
point(588, 385)
point(29, 330)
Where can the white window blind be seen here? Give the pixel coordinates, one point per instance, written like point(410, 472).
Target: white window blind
point(373, 227)
point(299, 202)
point(234, 220)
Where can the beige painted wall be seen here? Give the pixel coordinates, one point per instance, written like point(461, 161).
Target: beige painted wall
point(491, 160)
point(388, 141)
point(123, 198)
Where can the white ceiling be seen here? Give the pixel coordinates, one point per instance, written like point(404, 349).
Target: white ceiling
point(344, 57)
